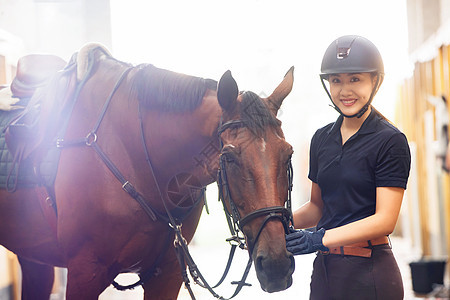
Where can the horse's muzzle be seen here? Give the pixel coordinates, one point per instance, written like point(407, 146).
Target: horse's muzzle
point(274, 273)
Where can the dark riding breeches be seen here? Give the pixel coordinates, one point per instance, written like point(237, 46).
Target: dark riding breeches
point(340, 277)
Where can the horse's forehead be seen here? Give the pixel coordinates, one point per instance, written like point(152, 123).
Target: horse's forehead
point(269, 142)
point(258, 144)
point(262, 144)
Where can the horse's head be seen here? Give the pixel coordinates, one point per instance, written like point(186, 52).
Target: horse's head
point(254, 176)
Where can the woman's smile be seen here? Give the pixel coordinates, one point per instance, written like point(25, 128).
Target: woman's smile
point(348, 101)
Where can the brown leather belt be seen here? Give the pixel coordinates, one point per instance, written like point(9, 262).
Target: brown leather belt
point(362, 249)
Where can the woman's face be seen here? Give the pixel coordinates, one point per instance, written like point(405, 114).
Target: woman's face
point(350, 92)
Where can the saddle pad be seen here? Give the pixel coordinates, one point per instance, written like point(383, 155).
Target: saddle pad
point(26, 177)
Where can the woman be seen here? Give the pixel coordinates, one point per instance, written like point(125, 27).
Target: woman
point(359, 167)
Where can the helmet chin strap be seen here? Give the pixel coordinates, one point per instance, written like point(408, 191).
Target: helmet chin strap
point(363, 110)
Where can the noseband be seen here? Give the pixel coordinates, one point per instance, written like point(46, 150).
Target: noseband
point(235, 222)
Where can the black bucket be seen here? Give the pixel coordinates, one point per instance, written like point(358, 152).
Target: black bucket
point(426, 273)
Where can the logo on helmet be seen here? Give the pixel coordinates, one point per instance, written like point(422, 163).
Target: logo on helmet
point(343, 52)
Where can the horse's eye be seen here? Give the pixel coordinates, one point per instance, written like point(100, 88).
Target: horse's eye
point(229, 157)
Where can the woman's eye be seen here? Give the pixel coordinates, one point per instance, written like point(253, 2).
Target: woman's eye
point(335, 80)
point(355, 79)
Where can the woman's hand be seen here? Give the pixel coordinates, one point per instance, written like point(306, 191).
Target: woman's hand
point(304, 242)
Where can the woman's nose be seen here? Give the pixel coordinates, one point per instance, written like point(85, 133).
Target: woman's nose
point(346, 90)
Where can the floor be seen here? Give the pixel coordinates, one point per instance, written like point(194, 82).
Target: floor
point(211, 267)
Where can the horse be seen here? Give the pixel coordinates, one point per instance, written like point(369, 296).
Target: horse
point(137, 145)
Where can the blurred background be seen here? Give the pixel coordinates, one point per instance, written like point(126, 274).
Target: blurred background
point(259, 40)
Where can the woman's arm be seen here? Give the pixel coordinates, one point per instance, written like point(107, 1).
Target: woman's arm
point(309, 214)
point(388, 203)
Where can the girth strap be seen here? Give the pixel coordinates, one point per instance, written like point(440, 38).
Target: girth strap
point(151, 272)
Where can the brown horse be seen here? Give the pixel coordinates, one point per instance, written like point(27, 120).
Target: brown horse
point(156, 127)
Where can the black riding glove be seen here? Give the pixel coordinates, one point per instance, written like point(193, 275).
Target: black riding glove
point(304, 242)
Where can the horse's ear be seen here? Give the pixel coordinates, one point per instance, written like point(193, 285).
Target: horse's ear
point(227, 91)
point(284, 88)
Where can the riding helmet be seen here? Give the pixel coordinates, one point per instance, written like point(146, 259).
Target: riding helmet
point(352, 54)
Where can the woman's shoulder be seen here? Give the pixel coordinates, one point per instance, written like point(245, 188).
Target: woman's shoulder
point(323, 132)
point(391, 137)
point(325, 129)
point(321, 136)
point(388, 129)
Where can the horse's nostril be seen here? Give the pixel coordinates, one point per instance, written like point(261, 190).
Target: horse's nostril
point(259, 263)
point(285, 266)
point(292, 267)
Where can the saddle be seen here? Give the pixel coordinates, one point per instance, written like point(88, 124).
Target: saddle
point(34, 71)
point(51, 87)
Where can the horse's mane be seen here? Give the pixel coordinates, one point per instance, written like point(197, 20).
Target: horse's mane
point(165, 90)
point(256, 114)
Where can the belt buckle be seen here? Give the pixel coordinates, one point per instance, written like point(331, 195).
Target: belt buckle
point(324, 252)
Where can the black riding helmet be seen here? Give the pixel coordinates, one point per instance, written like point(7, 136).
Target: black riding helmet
point(352, 54)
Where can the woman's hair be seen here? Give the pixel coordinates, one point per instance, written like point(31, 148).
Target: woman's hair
point(380, 114)
point(373, 74)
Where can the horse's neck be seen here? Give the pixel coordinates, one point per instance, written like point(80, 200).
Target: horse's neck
point(210, 151)
point(186, 142)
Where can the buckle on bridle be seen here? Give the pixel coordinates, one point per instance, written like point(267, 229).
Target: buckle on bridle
point(179, 238)
point(91, 138)
point(237, 241)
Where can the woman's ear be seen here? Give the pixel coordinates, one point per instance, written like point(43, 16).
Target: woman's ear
point(377, 80)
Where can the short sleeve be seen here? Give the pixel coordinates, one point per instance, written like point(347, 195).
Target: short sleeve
point(393, 163)
point(313, 165)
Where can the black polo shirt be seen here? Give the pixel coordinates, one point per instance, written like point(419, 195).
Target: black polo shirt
point(348, 175)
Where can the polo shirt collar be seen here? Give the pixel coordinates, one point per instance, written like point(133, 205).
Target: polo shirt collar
point(369, 125)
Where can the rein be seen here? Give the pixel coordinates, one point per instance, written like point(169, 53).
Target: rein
point(235, 222)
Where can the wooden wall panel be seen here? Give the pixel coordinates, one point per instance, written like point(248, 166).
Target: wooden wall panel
point(445, 78)
point(429, 78)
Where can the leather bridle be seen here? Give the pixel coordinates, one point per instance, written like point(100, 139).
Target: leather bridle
point(235, 221)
